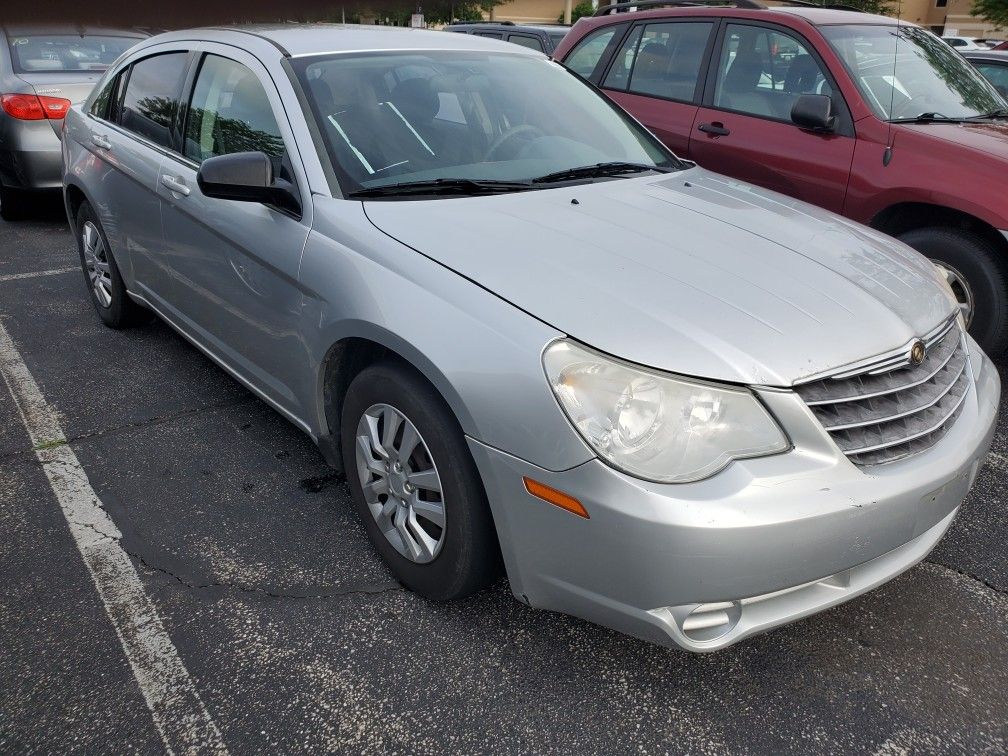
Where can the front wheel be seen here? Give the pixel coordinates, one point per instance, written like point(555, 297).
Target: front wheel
point(415, 485)
point(975, 272)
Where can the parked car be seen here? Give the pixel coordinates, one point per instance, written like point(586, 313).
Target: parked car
point(673, 403)
point(989, 43)
point(964, 43)
point(802, 101)
point(541, 37)
point(993, 65)
point(43, 69)
point(1001, 46)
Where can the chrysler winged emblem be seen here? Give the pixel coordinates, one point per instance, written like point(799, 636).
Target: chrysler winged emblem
point(917, 353)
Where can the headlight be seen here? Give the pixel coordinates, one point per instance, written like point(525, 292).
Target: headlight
point(655, 426)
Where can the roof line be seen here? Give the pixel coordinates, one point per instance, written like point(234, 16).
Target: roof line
point(283, 50)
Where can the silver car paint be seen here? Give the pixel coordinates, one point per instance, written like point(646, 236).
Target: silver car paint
point(30, 150)
point(715, 279)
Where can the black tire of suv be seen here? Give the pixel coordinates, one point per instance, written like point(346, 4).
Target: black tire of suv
point(13, 204)
point(981, 264)
point(122, 312)
point(470, 556)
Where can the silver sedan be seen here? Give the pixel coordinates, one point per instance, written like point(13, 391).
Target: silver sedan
point(534, 339)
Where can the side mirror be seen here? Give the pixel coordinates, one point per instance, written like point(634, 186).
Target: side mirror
point(814, 111)
point(246, 177)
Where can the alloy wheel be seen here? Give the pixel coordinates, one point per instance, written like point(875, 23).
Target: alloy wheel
point(96, 261)
point(402, 488)
point(960, 287)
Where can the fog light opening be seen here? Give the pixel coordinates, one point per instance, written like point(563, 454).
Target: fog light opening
point(709, 622)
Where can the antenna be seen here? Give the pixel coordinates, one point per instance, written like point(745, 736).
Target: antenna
point(887, 155)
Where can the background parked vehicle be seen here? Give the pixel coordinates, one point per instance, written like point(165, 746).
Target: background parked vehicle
point(993, 64)
point(802, 101)
point(964, 43)
point(43, 70)
point(544, 37)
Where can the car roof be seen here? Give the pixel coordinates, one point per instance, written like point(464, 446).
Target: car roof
point(504, 26)
point(814, 16)
point(28, 30)
point(1001, 55)
point(297, 40)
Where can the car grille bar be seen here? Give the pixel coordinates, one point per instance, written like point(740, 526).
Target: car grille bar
point(890, 409)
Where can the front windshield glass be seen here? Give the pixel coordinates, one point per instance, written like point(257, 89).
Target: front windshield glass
point(397, 117)
point(905, 72)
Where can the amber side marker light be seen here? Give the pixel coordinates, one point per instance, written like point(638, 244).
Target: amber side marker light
point(554, 497)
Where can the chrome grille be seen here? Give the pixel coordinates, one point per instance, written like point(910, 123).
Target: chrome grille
point(887, 410)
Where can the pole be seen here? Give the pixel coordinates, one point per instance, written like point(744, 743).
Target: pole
point(567, 11)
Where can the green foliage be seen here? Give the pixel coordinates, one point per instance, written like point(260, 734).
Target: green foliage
point(878, 7)
point(995, 11)
point(582, 9)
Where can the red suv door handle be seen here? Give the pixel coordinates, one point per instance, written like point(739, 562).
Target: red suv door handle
point(714, 129)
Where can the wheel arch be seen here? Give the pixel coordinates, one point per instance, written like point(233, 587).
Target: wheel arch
point(361, 345)
point(908, 216)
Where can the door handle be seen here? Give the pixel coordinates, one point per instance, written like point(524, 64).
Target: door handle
point(714, 129)
point(175, 185)
point(101, 142)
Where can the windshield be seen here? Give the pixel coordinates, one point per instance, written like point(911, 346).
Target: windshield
point(391, 118)
point(905, 72)
point(58, 53)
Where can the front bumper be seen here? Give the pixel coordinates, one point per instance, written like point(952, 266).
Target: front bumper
point(765, 542)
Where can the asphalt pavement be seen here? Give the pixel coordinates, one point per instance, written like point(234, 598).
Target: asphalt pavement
point(298, 640)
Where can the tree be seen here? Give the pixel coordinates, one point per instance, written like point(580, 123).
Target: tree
point(878, 7)
point(995, 11)
point(582, 9)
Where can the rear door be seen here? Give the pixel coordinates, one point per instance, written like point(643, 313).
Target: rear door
point(656, 75)
point(235, 264)
point(130, 132)
point(744, 130)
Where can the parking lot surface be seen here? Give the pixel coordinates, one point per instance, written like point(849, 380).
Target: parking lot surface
point(295, 638)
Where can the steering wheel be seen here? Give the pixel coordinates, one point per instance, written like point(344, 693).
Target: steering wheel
point(534, 131)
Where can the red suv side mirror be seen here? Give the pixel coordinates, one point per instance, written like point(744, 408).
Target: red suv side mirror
point(813, 111)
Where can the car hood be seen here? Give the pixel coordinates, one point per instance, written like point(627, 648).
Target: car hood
point(988, 138)
point(692, 273)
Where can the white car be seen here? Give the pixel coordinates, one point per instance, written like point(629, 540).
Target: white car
point(964, 43)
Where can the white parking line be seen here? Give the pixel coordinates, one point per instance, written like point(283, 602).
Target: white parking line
point(178, 711)
point(36, 274)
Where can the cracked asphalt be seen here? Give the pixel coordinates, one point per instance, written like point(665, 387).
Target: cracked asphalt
point(299, 641)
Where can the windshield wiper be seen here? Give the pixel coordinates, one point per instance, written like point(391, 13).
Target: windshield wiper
point(599, 170)
point(997, 113)
point(928, 118)
point(442, 186)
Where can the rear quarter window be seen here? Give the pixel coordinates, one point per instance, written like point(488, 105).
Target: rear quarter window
point(587, 53)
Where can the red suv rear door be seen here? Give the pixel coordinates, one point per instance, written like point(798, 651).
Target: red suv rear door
point(656, 74)
point(744, 129)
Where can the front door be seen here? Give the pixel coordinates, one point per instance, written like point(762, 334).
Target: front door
point(236, 263)
point(745, 129)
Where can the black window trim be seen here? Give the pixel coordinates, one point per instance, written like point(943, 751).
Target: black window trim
point(845, 122)
point(699, 87)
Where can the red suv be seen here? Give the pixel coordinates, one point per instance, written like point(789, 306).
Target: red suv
point(881, 122)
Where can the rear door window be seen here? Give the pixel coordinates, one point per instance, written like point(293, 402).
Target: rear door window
point(491, 35)
point(668, 60)
point(151, 99)
point(527, 40)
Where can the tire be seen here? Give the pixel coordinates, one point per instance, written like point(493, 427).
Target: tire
point(13, 204)
point(115, 308)
point(980, 264)
point(468, 556)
